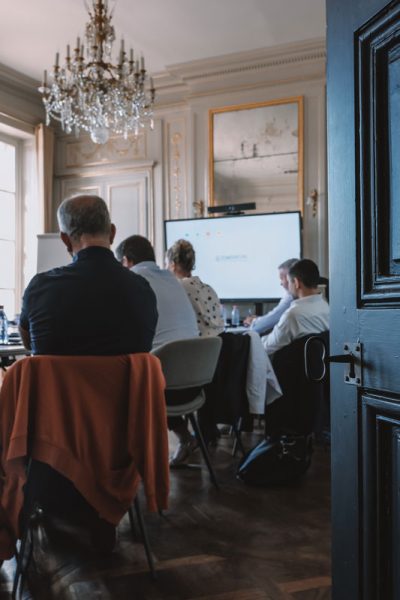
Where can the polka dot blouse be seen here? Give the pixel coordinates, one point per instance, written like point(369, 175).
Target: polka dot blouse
point(206, 306)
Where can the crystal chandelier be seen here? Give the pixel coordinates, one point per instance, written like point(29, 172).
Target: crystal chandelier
point(92, 93)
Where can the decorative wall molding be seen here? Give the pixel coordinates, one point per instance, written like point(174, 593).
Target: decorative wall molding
point(84, 152)
point(175, 155)
point(76, 154)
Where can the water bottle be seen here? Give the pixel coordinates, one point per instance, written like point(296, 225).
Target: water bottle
point(235, 316)
point(3, 326)
point(223, 313)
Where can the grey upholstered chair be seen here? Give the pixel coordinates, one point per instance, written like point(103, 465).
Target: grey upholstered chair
point(189, 365)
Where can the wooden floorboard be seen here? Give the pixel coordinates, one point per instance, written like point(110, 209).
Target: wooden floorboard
point(239, 543)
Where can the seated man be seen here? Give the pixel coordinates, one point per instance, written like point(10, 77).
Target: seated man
point(308, 313)
point(92, 306)
point(264, 324)
point(176, 319)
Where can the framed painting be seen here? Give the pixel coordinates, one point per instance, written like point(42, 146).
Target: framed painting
point(256, 155)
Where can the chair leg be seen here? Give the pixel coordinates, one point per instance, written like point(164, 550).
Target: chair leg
point(238, 439)
point(203, 449)
point(20, 555)
point(132, 522)
point(145, 538)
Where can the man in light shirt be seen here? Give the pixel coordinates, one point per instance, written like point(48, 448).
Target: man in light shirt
point(264, 324)
point(176, 317)
point(307, 314)
point(176, 321)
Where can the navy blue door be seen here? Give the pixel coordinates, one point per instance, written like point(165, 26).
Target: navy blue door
point(363, 84)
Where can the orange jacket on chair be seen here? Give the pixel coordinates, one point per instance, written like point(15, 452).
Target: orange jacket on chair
point(99, 421)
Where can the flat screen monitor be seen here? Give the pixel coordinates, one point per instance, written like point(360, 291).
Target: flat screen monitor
point(239, 255)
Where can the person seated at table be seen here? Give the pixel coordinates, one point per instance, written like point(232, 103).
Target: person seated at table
point(92, 306)
point(181, 260)
point(308, 313)
point(267, 322)
point(176, 318)
point(176, 321)
point(75, 309)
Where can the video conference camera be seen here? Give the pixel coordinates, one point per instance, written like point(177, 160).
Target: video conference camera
point(231, 209)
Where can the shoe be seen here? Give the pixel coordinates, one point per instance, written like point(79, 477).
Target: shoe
point(182, 452)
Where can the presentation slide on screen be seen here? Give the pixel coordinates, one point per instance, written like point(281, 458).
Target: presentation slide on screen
point(239, 255)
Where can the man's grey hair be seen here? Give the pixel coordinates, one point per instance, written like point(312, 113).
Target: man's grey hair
point(84, 214)
point(288, 264)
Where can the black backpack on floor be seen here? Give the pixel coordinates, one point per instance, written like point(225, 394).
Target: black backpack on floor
point(279, 461)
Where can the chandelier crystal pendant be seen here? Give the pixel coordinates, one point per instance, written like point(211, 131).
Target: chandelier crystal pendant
point(91, 93)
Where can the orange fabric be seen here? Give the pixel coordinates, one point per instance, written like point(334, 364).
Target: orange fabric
point(99, 421)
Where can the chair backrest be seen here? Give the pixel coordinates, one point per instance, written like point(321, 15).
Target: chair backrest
point(189, 363)
point(99, 421)
point(227, 393)
point(297, 409)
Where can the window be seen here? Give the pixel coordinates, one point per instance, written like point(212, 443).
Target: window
point(19, 218)
point(9, 211)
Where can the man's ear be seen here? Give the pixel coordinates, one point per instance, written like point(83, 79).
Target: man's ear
point(67, 241)
point(113, 231)
point(127, 263)
point(297, 282)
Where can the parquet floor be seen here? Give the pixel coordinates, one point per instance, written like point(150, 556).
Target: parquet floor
point(240, 543)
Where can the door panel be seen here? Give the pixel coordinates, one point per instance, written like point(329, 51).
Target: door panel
point(128, 197)
point(128, 206)
point(377, 45)
point(363, 84)
point(380, 508)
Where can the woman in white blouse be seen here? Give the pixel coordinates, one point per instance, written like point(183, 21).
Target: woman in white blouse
point(181, 261)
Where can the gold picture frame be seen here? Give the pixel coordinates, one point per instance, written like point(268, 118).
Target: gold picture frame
point(256, 155)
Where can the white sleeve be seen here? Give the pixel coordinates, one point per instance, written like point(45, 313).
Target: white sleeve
point(268, 321)
point(281, 335)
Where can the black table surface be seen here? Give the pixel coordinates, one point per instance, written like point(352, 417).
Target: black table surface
point(13, 350)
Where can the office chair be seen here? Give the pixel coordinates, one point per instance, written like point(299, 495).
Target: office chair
point(188, 365)
point(296, 411)
point(98, 422)
point(316, 353)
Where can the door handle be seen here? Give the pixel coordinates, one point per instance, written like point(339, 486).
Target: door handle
point(353, 357)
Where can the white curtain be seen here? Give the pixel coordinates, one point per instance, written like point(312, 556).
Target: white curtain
point(45, 167)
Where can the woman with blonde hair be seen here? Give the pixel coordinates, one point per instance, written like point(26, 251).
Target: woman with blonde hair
point(181, 261)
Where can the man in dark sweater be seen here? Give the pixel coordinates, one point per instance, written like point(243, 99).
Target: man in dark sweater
point(93, 306)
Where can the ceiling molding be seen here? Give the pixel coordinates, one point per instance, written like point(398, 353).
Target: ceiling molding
point(263, 58)
point(180, 82)
point(19, 98)
point(244, 69)
point(19, 83)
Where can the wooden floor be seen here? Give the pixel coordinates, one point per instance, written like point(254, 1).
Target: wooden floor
point(240, 543)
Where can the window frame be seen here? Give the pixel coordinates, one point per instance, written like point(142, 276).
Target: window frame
point(19, 218)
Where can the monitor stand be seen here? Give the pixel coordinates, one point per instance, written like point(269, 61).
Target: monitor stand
point(258, 308)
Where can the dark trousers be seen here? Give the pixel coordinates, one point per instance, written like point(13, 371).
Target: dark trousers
point(55, 494)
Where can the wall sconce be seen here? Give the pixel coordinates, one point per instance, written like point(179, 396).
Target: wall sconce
point(199, 208)
point(312, 201)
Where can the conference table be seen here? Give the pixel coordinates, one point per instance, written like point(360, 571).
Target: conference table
point(10, 352)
